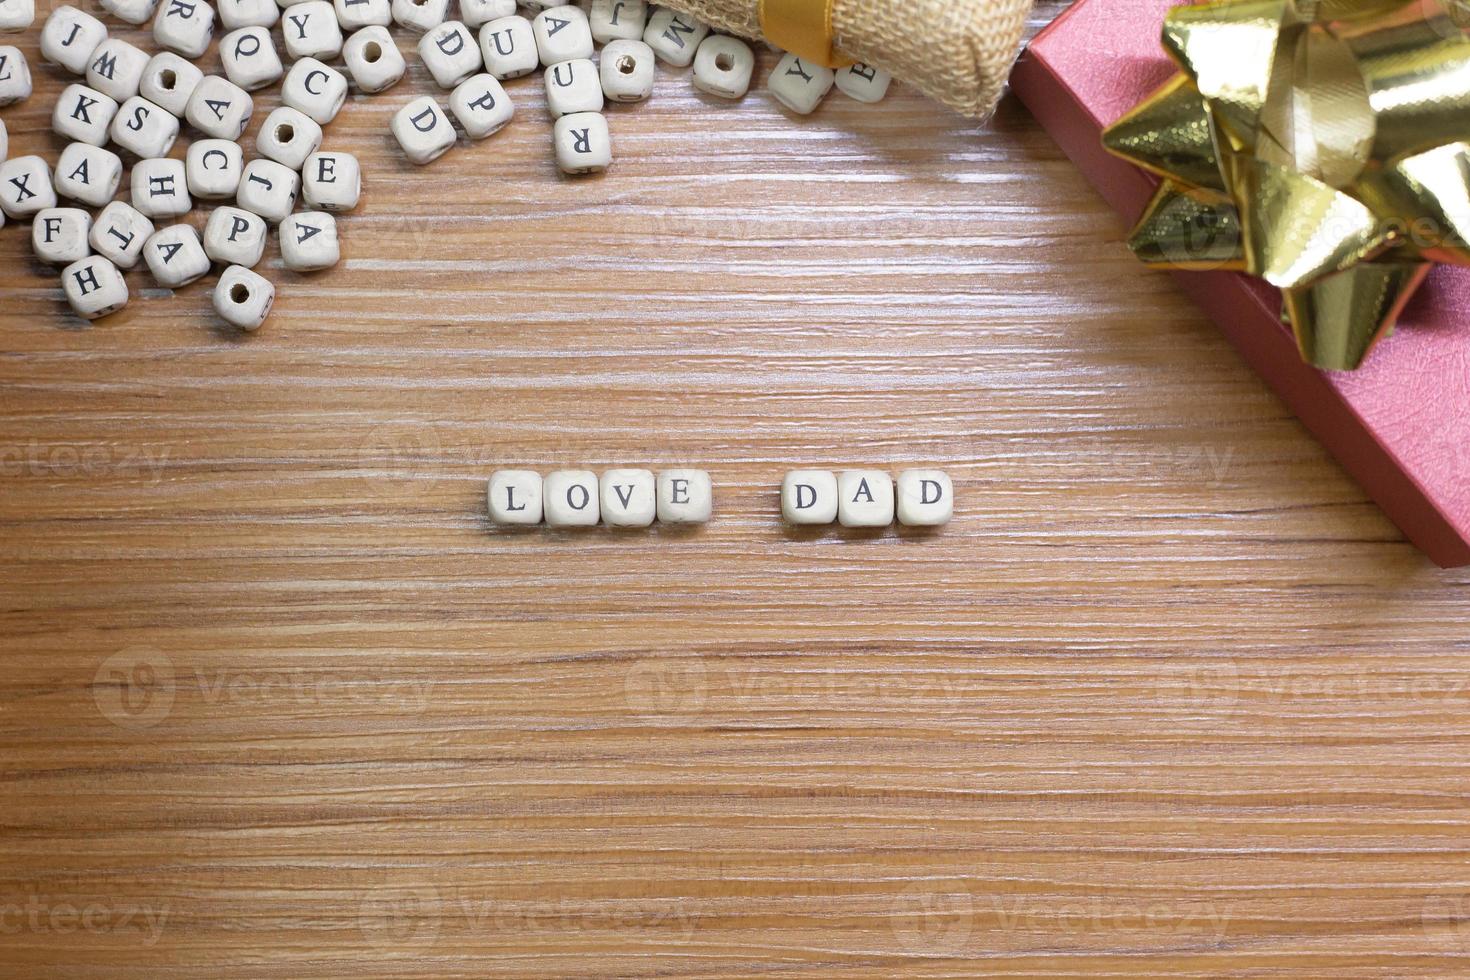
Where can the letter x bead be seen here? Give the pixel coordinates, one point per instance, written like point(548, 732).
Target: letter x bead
point(809, 497)
point(514, 497)
point(925, 498)
point(423, 130)
point(571, 498)
point(25, 187)
point(799, 85)
point(629, 498)
point(864, 498)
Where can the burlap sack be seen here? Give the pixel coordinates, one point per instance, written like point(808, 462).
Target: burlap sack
point(957, 52)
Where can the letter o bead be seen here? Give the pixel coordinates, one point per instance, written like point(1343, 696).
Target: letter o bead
point(809, 497)
point(925, 498)
point(423, 131)
point(571, 499)
point(514, 497)
point(94, 287)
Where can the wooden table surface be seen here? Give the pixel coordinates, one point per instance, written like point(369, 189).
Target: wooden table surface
point(1169, 697)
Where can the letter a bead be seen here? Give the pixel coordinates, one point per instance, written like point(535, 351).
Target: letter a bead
point(925, 498)
point(864, 498)
point(514, 497)
point(809, 497)
point(571, 499)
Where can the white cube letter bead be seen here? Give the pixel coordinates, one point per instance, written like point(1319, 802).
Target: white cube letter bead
point(269, 189)
point(573, 86)
point(315, 89)
point(235, 14)
point(685, 497)
point(214, 169)
point(477, 13)
point(4, 141)
point(864, 498)
point(175, 256)
point(925, 498)
point(288, 137)
point(423, 130)
point(809, 497)
point(243, 299)
point(420, 15)
point(331, 181)
point(627, 71)
point(799, 85)
point(69, 38)
point(168, 81)
point(309, 241)
point(83, 114)
point(131, 11)
point(674, 37)
point(481, 106)
point(450, 52)
point(184, 27)
point(617, 20)
point(143, 128)
point(311, 30)
point(234, 236)
point(723, 67)
point(15, 76)
point(628, 498)
point(116, 69)
point(562, 34)
point(88, 174)
point(16, 15)
point(863, 82)
point(119, 234)
point(514, 497)
point(25, 187)
point(161, 188)
point(94, 287)
point(570, 498)
point(373, 59)
point(59, 235)
point(354, 15)
point(219, 108)
point(508, 46)
point(583, 144)
point(249, 58)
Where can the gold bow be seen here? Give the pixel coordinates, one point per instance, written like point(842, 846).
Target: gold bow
point(1322, 145)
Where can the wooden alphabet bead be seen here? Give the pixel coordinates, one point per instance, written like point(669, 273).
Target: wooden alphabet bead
point(925, 498)
point(354, 15)
point(420, 15)
point(235, 14)
point(69, 37)
point(685, 497)
point(315, 89)
point(423, 130)
point(184, 27)
point(477, 13)
point(269, 189)
point(562, 34)
point(627, 71)
point(864, 498)
point(629, 498)
point(373, 60)
point(674, 37)
point(288, 137)
point(119, 234)
point(15, 76)
point(723, 67)
point(514, 497)
point(863, 83)
point(310, 30)
point(573, 86)
point(214, 169)
point(133, 12)
point(116, 69)
point(168, 81)
point(144, 129)
point(94, 287)
point(799, 85)
point(175, 256)
point(617, 20)
point(309, 241)
point(481, 106)
point(16, 15)
point(161, 188)
point(25, 187)
point(809, 497)
point(4, 141)
point(583, 144)
point(249, 58)
point(83, 114)
point(450, 52)
point(219, 108)
point(88, 174)
point(59, 235)
point(243, 299)
point(508, 46)
point(234, 236)
point(331, 181)
point(571, 498)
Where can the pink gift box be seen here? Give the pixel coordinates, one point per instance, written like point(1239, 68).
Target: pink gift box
point(1400, 424)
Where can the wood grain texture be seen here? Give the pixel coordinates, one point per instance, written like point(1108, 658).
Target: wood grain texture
point(1169, 698)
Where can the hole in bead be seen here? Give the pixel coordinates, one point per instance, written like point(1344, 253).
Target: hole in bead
point(724, 62)
point(372, 52)
point(285, 133)
point(627, 64)
point(167, 79)
point(239, 293)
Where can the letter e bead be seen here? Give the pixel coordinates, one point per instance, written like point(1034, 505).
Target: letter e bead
point(809, 497)
point(571, 498)
point(514, 497)
point(685, 497)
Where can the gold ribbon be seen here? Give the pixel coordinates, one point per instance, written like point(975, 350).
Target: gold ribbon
point(803, 27)
point(1322, 145)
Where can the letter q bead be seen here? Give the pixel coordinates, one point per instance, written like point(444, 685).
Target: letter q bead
point(629, 498)
point(514, 497)
point(925, 498)
point(571, 498)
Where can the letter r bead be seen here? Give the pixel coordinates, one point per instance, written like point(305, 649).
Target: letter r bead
point(514, 497)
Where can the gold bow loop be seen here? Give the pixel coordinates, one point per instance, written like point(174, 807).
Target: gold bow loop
point(1321, 145)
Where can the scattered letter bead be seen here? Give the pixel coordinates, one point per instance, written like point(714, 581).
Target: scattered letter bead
point(119, 234)
point(235, 14)
point(723, 66)
point(234, 236)
point(583, 144)
point(25, 187)
point(628, 498)
point(315, 89)
point(94, 287)
point(481, 106)
point(925, 498)
point(243, 299)
point(269, 189)
point(219, 108)
point(423, 131)
point(373, 59)
point(214, 168)
point(310, 30)
point(863, 82)
point(331, 181)
point(571, 498)
point(450, 53)
point(83, 114)
point(685, 497)
point(514, 497)
point(142, 128)
point(562, 34)
point(161, 188)
point(864, 498)
point(69, 38)
point(674, 37)
point(184, 27)
point(478, 13)
point(168, 81)
point(420, 15)
point(309, 241)
point(116, 69)
point(249, 58)
point(617, 20)
point(627, 71)
point(16, 15)
point(288, 137)
point(508, 46)
point(59, 235)
point(799, 85)
point(573, 86)
point(88, 174)
point(354, 15)
point(175, 256)
point(15, 76)
point(809, 497)
point(130, 11)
